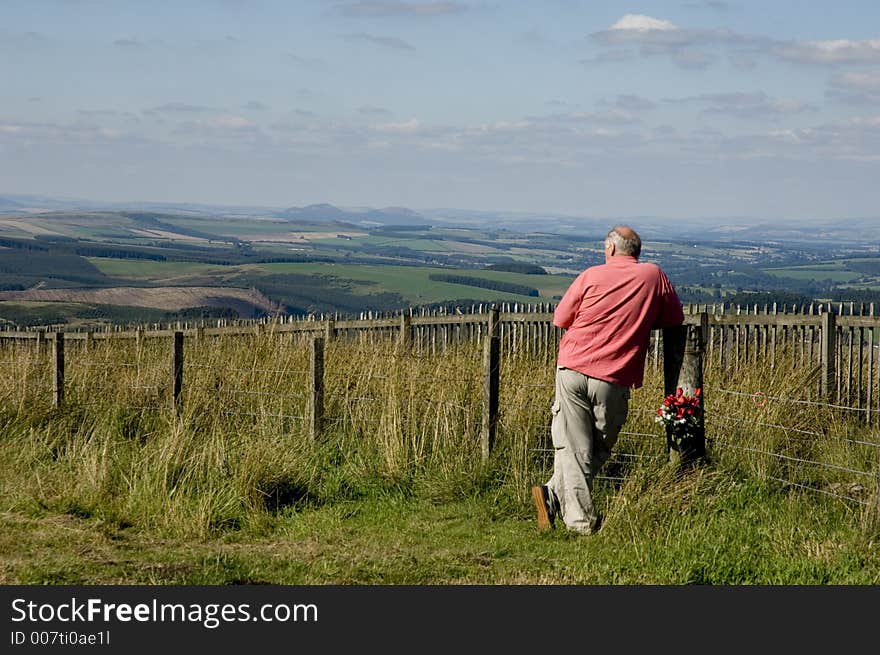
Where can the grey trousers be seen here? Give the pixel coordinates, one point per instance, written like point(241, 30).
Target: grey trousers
point(587, 417)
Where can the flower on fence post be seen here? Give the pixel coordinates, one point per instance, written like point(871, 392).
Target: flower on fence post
point(681, 413)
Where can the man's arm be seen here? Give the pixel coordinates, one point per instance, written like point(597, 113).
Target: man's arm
point(671, 312)
point(567, 308)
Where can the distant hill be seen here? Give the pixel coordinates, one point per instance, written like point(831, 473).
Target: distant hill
point(9, 205)
point(365, 217)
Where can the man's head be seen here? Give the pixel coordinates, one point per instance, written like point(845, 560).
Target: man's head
point(622, 240)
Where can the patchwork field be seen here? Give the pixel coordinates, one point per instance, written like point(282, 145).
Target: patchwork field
point(169, 298)
point(862, 272)
point(302, 265)
point(413, 284)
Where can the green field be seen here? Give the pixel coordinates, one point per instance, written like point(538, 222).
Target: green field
point(836, 271)
point(414, 285)
point(158, 271)
point(388, 268)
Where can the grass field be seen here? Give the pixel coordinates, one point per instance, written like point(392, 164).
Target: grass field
point(412, 283)
point(835, 271)
point(706, 529)
point(381, 268)
point(159, 271)
point(116, 488)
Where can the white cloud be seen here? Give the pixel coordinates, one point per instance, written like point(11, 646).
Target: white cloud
point(839, 51)
point(221, 127)
point(178, 107)
point(691, 59)
point(609, 57)
point(714, 5)
point(385, 41)
point(411, 9)
point(654, 36)
point(412, 126)
point(631, 102)
point(743, 61)
point(865, 121)
point(616, 116)
point(11, 128)
point(81, 133)
point(231, 123)
point(860, 80)
point(97, 113)
point(855, 88)
point(642, 23)
point(687, 47)
point(757, 105)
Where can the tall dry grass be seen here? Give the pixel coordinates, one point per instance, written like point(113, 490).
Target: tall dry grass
point(397, 420)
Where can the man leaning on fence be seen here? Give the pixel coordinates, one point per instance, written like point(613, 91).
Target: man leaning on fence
point(608, 313)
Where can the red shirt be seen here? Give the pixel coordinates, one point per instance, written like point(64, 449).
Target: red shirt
point(608, 313)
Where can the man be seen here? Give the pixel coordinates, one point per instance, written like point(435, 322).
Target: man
point(608, 313)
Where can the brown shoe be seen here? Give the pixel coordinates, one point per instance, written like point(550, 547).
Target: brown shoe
point(541, 496)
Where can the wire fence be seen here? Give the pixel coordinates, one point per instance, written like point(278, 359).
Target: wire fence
point(799, 442)
point(760, 398)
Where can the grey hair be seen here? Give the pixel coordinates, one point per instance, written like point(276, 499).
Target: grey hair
point(623, 245)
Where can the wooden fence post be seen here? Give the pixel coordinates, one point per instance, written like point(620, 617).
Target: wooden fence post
point(494, 321)
point(683, 350)
point(872, 339)
point(176, 370)
point(329, 330)
point(41, 337)
point(491, 379)
point(316, 393)
point(829, 348)
point(877, 495)
point(58, 374)
point(405, 330)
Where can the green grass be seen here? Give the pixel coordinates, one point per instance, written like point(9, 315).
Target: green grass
point(835, 271)
point(423, 245)
point(116, 488)
point(155, 271)
point(35, 313)
point(705, 529)
point(232, 227)
point(414, 285)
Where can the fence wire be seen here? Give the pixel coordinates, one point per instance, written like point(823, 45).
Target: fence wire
point(263, 414)
point(227, 369)
point(817, 490)
point(278, 394)
point(833, 467)
point(763, 396)
point(520, 393)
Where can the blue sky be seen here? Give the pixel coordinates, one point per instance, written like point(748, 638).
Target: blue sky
point(696, 108)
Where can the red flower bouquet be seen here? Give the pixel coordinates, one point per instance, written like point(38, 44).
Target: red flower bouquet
point(681, 413)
